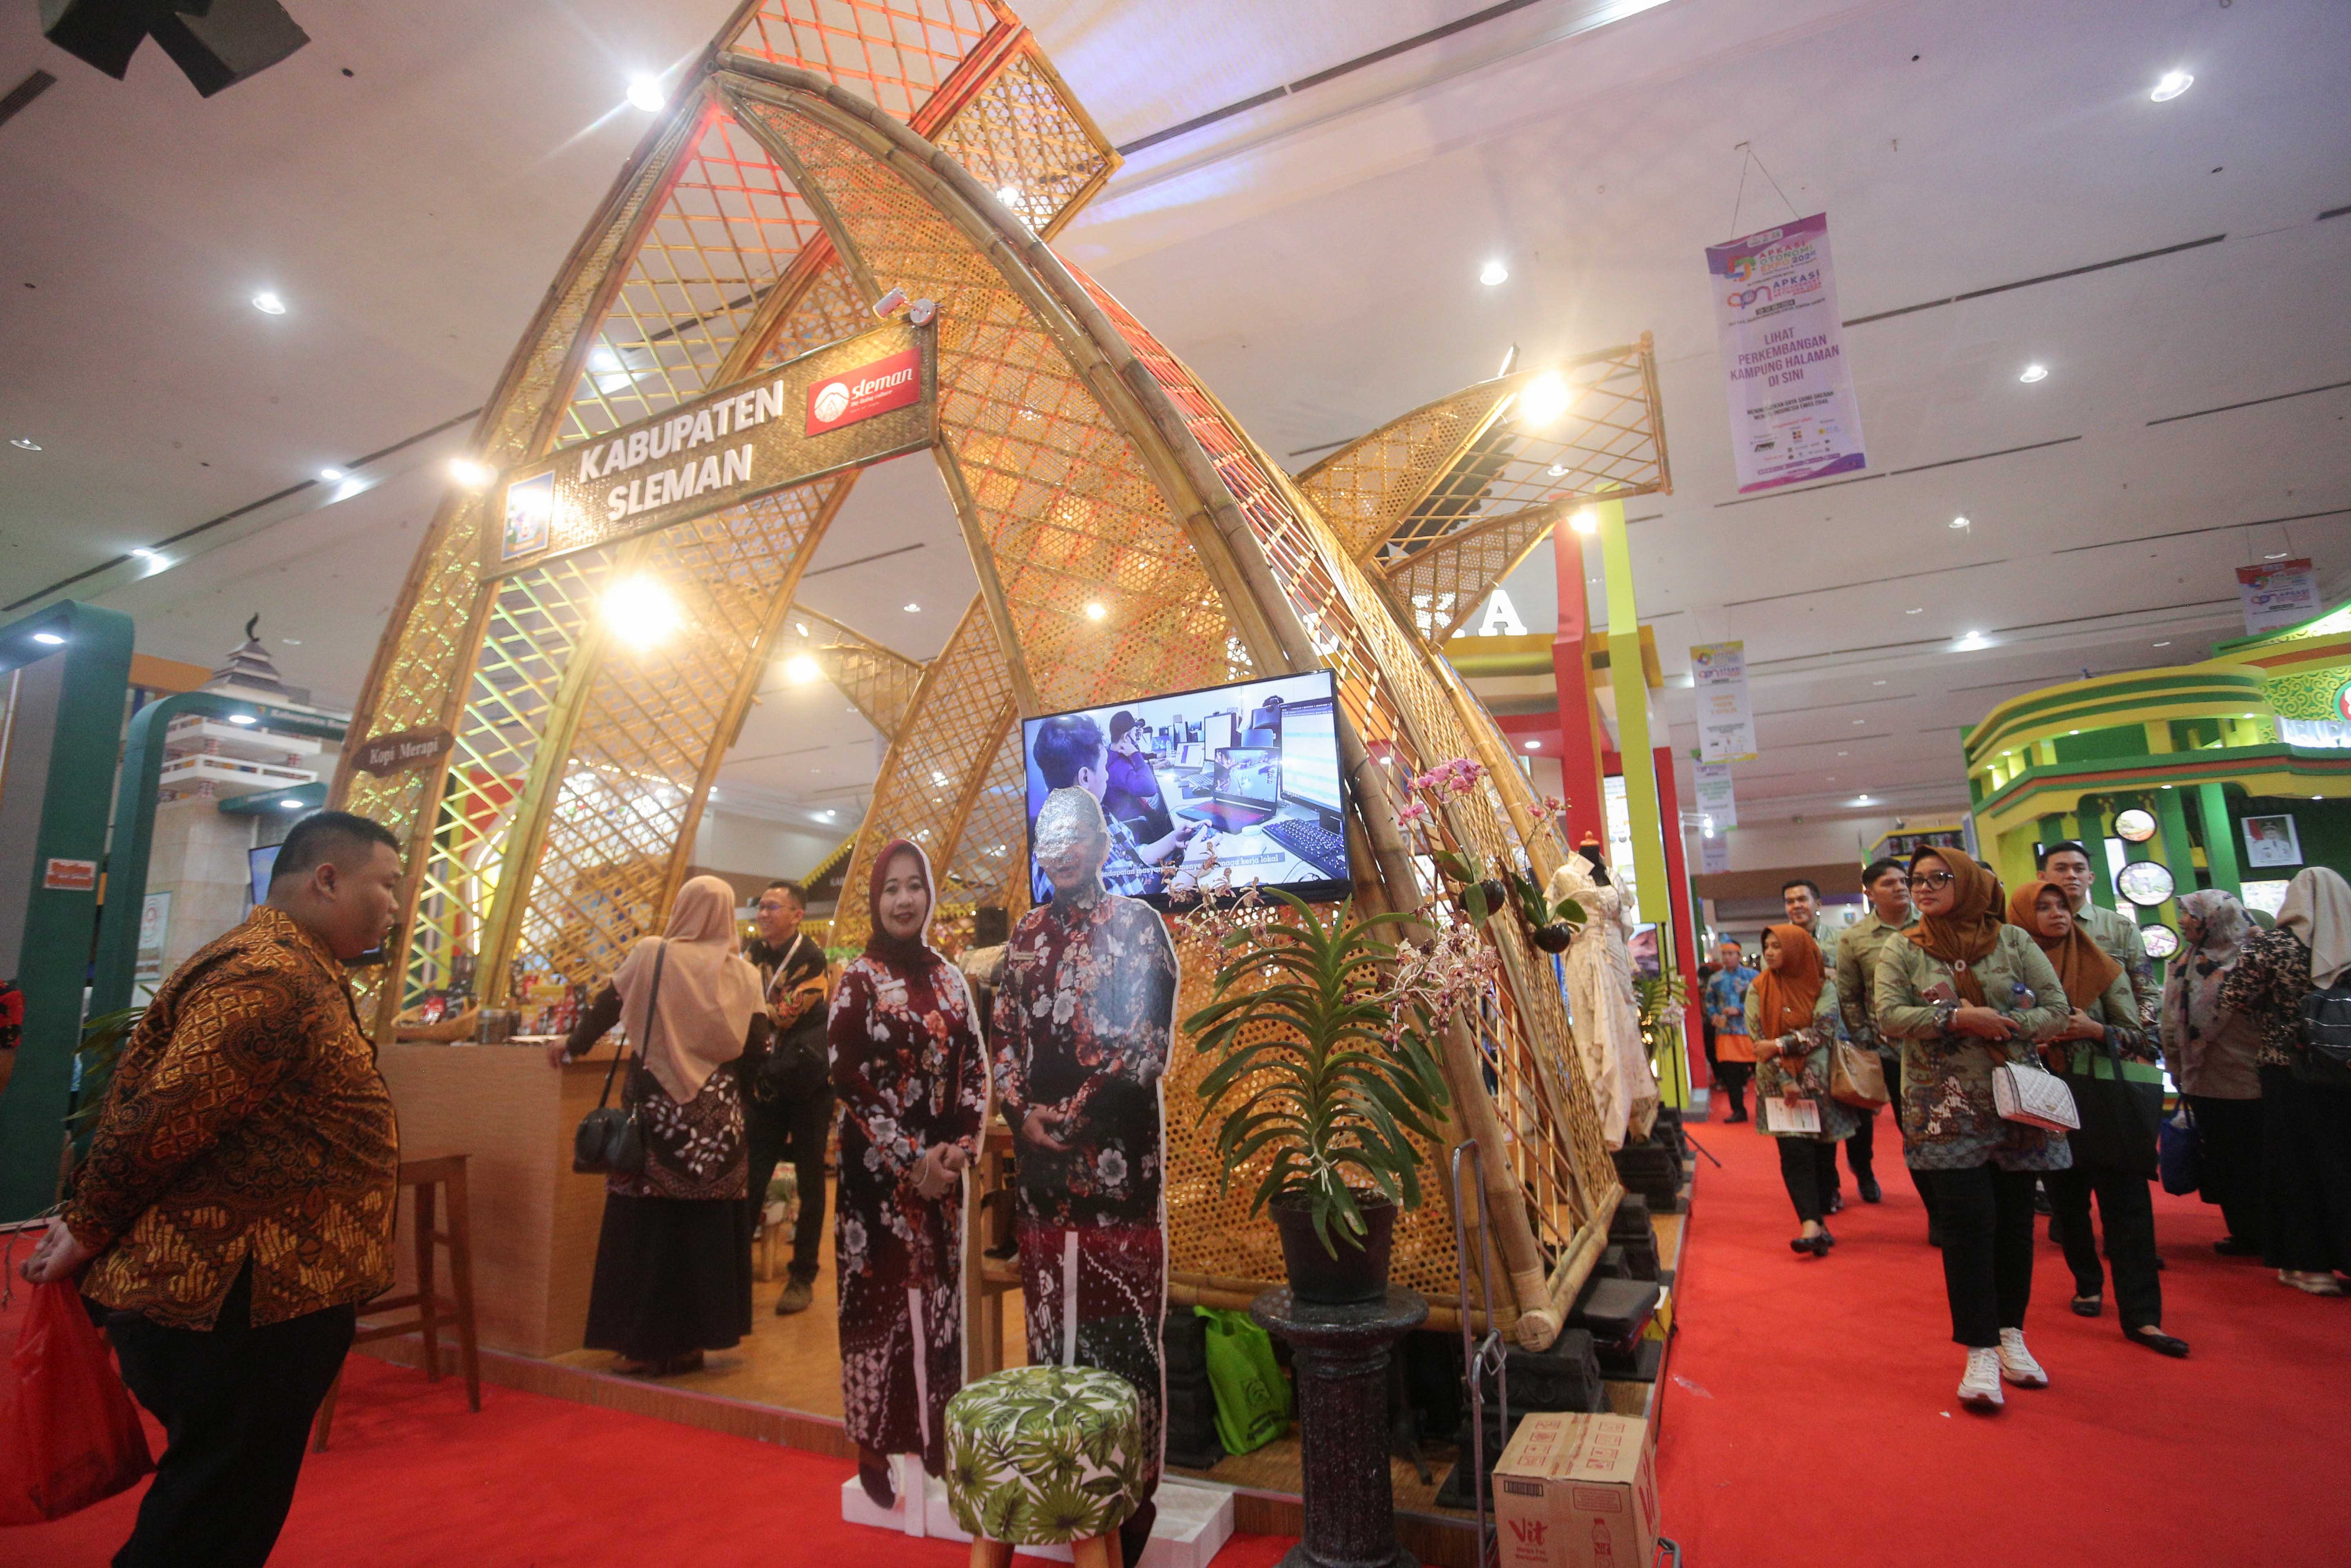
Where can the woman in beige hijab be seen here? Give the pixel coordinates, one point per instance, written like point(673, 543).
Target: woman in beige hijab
point(2305, 1102)
point(673, 1266)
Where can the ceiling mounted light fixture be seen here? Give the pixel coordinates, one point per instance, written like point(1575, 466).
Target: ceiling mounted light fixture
point(646, 93)
point(1969, 641)
point(1534, 746)
point(800, 627)
point(289, 805)
point(472, 475)
point(1008, 194)
point(2171, 85)
point(49, 637)
point(268, 304)
point(1915, 609)
point(25, 443)
point(1545, 399)
point(800, 669)
point(1960, 523)
point(912, 608)
point(1586, 521)
point(1861, 799)
point(240, 719)
point(2032, 373)
point(1493, 273)
point(330, 474)
point(641, 611)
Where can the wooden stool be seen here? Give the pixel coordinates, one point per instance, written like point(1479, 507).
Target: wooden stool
point(433, 1309)
point(1045, 1455)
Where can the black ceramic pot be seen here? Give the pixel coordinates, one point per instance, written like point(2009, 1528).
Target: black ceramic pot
point(1497, 897)
point(1359, 1273)
point(1553, 939)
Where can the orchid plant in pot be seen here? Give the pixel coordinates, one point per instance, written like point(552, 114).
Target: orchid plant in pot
point(1551, 925)
point(1325, 1072)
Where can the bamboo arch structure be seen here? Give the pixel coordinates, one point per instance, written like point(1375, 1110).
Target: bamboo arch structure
point(822, 154)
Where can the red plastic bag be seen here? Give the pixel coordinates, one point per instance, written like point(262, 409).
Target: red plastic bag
point(68, 1434)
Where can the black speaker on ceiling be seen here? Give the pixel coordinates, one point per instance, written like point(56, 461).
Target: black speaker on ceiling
point(216, 43)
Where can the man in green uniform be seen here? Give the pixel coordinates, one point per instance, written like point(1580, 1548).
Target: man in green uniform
point(2068, 864)
point(1885, 883)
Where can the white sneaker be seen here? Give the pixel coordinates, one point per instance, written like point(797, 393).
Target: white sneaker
point(2317, 1282)
point(1980, 1385)
point(2016, 1362)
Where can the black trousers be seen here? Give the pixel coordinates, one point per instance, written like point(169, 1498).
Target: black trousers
point(236, 1404)
point(2229, 1131)
point(2126, 1215)
point(795, 1130)
point(1986, 1216)
point(1808, 1170)
point(1733, 1076)
point(1861, 1149)
point(2306, 1174)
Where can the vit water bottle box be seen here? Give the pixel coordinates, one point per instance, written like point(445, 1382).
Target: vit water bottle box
point(1576, 1490)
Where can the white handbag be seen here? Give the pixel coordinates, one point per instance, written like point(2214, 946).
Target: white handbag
point(2024, 1092)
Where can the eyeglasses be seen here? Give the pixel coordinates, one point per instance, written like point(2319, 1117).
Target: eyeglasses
point(1932, 879)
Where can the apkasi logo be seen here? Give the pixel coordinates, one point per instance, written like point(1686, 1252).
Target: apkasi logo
point(870, 389)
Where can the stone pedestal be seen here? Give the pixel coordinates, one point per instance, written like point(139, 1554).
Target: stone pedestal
point(1341, 1355)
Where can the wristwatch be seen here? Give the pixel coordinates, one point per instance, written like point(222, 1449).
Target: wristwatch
point(1944, 1013)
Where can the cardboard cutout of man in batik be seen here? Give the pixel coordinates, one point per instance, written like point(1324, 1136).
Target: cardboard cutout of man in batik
point(1084, 1012)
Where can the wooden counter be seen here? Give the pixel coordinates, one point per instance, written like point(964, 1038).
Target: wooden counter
point(535, 1222)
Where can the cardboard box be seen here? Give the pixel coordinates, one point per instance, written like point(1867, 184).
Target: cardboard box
point(1577, 1491)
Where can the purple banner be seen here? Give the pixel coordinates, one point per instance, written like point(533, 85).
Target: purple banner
point(1792, 413)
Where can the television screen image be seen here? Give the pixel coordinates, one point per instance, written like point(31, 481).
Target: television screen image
point(1250, 770)
point(259, 863)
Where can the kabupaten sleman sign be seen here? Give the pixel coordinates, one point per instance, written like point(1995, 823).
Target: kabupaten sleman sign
point(849, 403)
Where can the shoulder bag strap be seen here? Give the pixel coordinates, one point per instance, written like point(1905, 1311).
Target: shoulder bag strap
point(653, 1012)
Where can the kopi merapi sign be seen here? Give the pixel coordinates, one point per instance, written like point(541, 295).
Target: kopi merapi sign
point(842, 407)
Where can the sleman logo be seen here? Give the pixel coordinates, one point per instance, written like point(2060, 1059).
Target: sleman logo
point(870, 389)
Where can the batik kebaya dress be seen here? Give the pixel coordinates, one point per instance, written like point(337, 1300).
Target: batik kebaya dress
point(909, 1071)
point(1084, 1007)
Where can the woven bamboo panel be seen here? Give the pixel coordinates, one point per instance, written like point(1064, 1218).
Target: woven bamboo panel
point(1065, 503)
point(938, 766)
point(1026, 138)
point(1367, 488)
point(879, 682)
point(1210, 1233)
point(894, 54)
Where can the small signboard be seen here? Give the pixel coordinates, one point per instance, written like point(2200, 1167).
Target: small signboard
point(847, 404)
point(71, 876)
point(397, 753)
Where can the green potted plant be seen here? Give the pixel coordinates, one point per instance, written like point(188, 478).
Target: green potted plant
point(1550, 925)
point(1321, 1030)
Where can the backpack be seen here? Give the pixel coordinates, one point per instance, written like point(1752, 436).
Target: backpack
point(2325, 1058)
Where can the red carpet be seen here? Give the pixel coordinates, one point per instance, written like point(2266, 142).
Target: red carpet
point(414, 1479)
point(1804, 1421)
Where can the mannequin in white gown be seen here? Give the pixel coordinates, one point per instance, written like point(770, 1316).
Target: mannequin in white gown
point(1607, 1018)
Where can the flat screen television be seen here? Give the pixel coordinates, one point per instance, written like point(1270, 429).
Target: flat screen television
point(1261, 786)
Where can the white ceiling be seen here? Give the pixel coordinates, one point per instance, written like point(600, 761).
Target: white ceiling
point(1315, 259)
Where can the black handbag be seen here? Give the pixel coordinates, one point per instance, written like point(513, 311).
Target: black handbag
point(2120, 1102)
point(608, 1140)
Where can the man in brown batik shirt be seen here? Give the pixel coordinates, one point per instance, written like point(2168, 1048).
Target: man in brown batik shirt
point(236, 1203)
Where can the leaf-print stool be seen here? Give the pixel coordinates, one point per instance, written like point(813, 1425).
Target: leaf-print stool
point(1045, 1455)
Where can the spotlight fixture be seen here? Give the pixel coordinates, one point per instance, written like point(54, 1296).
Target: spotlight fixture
point(1557, 470)
point(240, 719)
point(646, 93)
point(49, 637)
point(641, 611)
point(2032, 373)
point(1586, 521)
point(472, 475)
point(330, 474)
point(1493, 273)
point(2168, 86)
point(1960, 523)
point(800, 669)
point(1095, 612)
point(268, 304)
point(1545, 399)
point(25, 443)
point(912, 608)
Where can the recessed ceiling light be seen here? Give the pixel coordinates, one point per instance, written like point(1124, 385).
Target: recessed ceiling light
point(2165, 643)
point(1969, 640)
point(1534, 746)
point(2318, 797)
point(1915, 609)
point(268, 304)
point(1861, 721)
point(1877, 683)
point(2275, 555)
point(51, 637)
point(1557, 470)
point(25, 443)
point(2072, 732)
point(1493, 273)
point(240, 718)
point(290, 805)
point(2168, 86)
point(646, 93)
point(1958, 522)
point(468, 473)
point(2032, 373)
point(1845, 754)
point(140, 552)
point(1095, 612)
point(912, 608)
point(330, 474)
point(800, 627)
point(1861, 799)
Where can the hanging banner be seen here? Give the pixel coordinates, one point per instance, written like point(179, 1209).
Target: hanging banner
point(1792, 413)
point(2277, 593)
point(1714, 799)
point(1714, 856)
point(1726, 725)
point(844, 405)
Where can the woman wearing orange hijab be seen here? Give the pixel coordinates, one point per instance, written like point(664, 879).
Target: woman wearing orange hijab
point(2113, 1154)
point(1792, 1016)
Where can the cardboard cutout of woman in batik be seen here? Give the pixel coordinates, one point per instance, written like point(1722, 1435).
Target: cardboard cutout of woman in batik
point(1084, 1011)
point(911, 1072)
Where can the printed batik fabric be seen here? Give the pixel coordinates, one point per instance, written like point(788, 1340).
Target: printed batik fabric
point(1085, 1015)
point(909, 1072)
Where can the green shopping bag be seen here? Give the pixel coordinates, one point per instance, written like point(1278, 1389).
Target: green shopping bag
point(1252, 1395)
